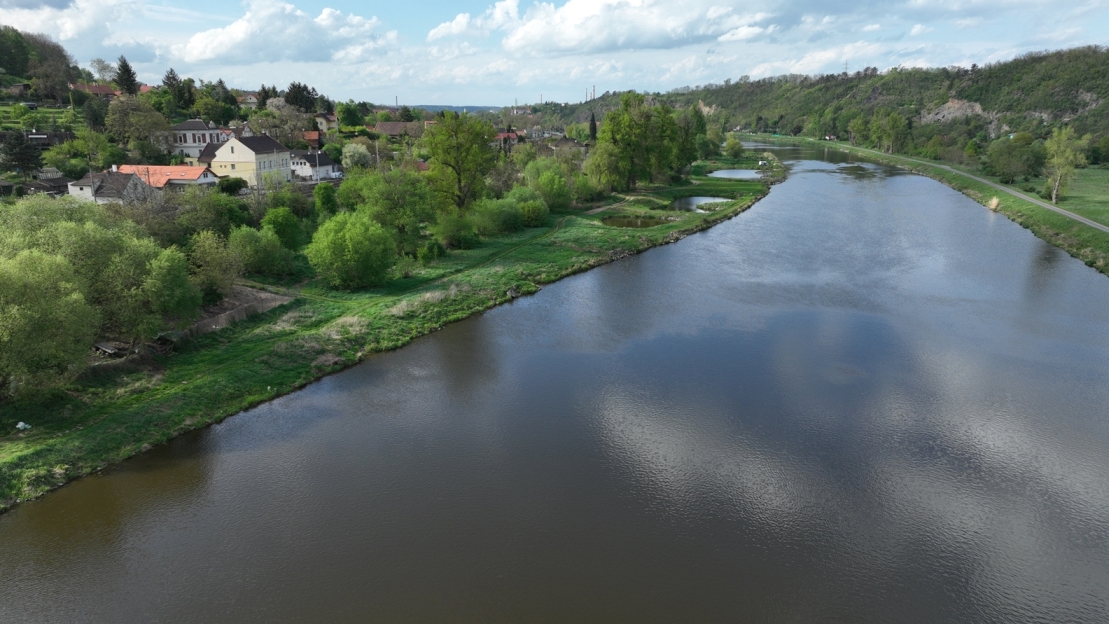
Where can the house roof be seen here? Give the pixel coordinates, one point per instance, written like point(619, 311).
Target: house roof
point(146, 89)
point(159, 176)
point(261, 143)
point(327, 116)
point(208, 154)
point(109, 184)
point(315, 158)
point(192, 124)
point(397, 128)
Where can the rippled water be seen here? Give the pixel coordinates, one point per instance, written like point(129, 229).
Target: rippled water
point(865, 399)
point(692, 204)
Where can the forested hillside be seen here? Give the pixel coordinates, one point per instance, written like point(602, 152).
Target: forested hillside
point(1032, 93)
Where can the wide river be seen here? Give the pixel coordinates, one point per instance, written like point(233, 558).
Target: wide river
point(867, 399)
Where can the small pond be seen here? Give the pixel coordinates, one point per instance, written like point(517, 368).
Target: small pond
point(690, 204)
point(632, 222)
point(737, 174)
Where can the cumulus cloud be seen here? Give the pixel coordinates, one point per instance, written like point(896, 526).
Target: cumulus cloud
point(272, 30)
point(919, 30)
point(589, 26)
point(872, 27)
point(66, 20)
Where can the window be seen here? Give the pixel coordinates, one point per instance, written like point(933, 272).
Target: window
point(232, 149)
point(232, 165)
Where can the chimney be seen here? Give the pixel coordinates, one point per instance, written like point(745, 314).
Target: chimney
point(115, 168)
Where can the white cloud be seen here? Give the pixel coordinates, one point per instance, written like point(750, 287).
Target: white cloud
point(272, 30)
point(820, 59)
point(969, 22)
point(872, 27)
point(68, 22)
point(499, 16)
point(918, 30)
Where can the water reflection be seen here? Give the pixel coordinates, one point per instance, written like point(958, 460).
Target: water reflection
point(865, 399)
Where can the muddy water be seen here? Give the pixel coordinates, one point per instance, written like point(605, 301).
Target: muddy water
point(865, 399)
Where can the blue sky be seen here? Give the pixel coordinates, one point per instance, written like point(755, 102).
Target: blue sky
point(492, 53)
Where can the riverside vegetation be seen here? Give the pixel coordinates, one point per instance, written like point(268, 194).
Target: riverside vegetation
point(393, 254)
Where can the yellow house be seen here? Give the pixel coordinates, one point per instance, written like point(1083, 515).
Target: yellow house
point(255, 159)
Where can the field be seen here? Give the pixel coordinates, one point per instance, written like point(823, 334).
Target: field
point(120, 408)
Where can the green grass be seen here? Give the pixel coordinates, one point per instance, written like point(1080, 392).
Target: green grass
point(6, 122)
point(118, 409)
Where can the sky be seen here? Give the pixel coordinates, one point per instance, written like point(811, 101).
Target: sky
point(469, 52)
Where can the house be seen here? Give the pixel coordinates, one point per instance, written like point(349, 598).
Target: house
point(53, 187)
point(42, 140)
point(254, 159)
point(190, 137)
point(312, 138)
point(327, 122)
point(109, 187)
point(248, 100)
point(505, 141)
point(172, 177)
point(95, 90)
point(314, 165)
point(396, 129)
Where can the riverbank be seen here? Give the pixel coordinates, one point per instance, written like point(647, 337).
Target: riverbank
point(1081, 240)
point(121, 408)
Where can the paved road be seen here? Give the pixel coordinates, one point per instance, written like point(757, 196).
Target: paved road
point(1042, 204)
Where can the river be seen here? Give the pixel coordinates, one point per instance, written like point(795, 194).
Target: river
point(867, 398)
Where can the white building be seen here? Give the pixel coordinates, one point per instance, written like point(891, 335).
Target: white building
point(111, 186)
point(314, 165)
point(190, 137)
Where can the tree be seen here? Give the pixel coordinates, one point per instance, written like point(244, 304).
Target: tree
point(592, 128)
point(356, 156)
point(214, 266)
point(132, 120)
point(95, 112)
point(231, 186)
point(643, 137)
point(352, 251)
point(556, 194)
point(858, 129)
point(51, 68)
point(1019, 156)
point(261, 251)
point(348, 114)
point(460, 157)
point(19, 155)
point(126, 79)
point(405, 114)
point(281, 121)
point(1065, 153)
point(15, 52)
point(401, 201)
point(733, 148)
point(46, 326)
point(300, 96)
point(285, 224)
point(324, 196)
point(105, 71)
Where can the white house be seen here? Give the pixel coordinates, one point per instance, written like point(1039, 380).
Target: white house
point(173, 177)
point(190, 137)
point(314, 165)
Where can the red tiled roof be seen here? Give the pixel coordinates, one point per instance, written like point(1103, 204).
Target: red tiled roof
point(158, 176)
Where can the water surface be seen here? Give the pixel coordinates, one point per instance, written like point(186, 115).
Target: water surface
point(866, 399)
point(737, 174)
point(692, 204)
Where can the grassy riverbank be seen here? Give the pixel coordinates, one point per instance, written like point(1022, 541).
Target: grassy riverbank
point(1089, 198)
point(118, 409)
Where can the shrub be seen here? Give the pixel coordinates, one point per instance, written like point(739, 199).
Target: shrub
point(352, 251)
point(455, 232)
point(231, 186)
point(430, 252)
point(535, 213)
point(584, 190)
point(497, 216)
point(326, 202)
point(214, 266)
point(555, 192)
point(261, 251)
point(285, 224)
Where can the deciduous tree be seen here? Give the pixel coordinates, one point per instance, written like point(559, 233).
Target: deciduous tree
point(461, 156)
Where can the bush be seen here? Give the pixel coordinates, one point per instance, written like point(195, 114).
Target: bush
point(326, 202)
point(497, 216)
point(522, 194)
point(288, 197)
point(261, 251)
point(455, 232)
point(430, 252)
point(535, 213)
point(555, 192)
point(214, 266)
point(285, 224)
point(584, 190)
point(733, 148)
point(352, 251)
point(231, 186)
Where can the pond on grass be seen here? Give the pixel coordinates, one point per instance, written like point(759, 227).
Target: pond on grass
point(691, 204)
point(737, 174)
point(867, 398)
point(633, 222)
